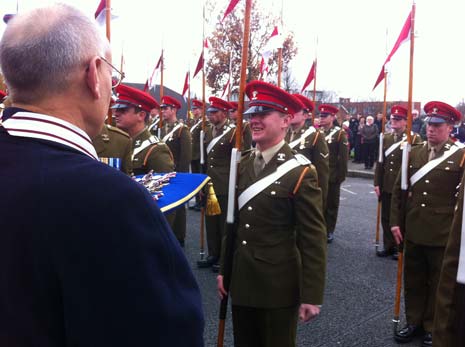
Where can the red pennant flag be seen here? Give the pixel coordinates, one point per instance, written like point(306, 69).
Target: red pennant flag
point(310, 77)
point(403, 37)
point(230, 8)
point(205, 44)
point(225, 89)
point(186, 84)
point(199, 65)
point(146, 85)
point(101, 8)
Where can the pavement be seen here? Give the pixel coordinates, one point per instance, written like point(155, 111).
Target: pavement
point(358, 170)
point(360, 287)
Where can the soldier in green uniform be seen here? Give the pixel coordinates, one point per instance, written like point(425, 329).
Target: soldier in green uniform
point(435, 170)
point(148, 152)
point(178, 138)
point(195, 125)
point(114, 147)
point(449, 316)
point(386, 173)
point(336, 138)
point(246, 132)
point(220, 139)
point(280, 251)
point(310, 142)
point(153, 121)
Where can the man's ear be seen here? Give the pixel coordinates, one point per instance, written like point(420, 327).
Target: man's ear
point(92, 77)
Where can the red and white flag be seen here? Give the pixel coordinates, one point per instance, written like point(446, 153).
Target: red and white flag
point(273, 43)
point(230, 8)
point(152, 80)
point(404, 36)
point(186, 84)
point(101, 13)
point(310, 77)
point(201, 61)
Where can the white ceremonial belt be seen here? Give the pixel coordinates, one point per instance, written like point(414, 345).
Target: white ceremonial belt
point(154, 124)
point(431, 165)
point(215, 140)
point(144, 145)
point(167, 136)
point(307, 133)
point(330, 135)
point(258, 186)
point(393, 147)
point(196, 125)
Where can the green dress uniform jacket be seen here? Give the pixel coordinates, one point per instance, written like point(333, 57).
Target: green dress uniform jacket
point(385, 177)
point(314, 147)
point(219, 157)
point(180, 144)
point(447, 313)
point(431, 201)
point(386, 173)
point(218, 161)
point(114, 143)
point(156, 156)
point(429, 213)
point(195, 130)
point(336, 139)
point(280, 250)
point(338, 154)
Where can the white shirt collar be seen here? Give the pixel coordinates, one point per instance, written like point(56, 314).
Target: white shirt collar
point(40, 126)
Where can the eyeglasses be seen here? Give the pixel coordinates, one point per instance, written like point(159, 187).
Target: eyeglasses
point(116, 75)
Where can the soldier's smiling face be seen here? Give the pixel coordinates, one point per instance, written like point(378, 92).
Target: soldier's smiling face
point(269, 128)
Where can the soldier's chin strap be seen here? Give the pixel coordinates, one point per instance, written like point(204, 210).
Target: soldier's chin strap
point(235, 160)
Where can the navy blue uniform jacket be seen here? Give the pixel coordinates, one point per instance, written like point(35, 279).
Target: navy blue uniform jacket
point(86, 256)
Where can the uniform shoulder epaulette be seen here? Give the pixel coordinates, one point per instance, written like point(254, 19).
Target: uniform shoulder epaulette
point(337, 127)
point(302, 159)
point(117, 130)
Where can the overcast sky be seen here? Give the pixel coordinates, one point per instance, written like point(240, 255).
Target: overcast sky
point(354, 37)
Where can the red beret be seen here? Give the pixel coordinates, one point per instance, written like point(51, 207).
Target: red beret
point(2, 94)
point(440, 112)
point(170, 101)
point(308, 104)
point(398, 111)
point(265, 97)
point(328, 109)
point(197, 103)
point(234, 104)
point(128, 96)
point(217, 104)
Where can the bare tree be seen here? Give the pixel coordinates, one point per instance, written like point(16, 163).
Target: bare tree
point(226, 48)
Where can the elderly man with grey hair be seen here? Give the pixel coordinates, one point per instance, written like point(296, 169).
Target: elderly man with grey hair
point(86, 256)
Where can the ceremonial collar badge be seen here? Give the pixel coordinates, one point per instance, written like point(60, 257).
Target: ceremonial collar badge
point(137, 143)
point(105, 137)
point(281, 157)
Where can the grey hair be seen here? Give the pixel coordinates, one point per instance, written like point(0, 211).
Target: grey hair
point(41, 50)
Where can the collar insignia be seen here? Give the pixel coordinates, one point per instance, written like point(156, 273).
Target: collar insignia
point(281, 157)
point(137, 143)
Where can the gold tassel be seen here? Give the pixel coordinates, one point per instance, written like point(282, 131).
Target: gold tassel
point(213, 206)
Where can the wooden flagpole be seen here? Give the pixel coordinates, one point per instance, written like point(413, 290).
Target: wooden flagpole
point(404, 172)
point(230, 232)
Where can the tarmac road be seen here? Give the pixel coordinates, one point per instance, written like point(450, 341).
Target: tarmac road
point(360, 287)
